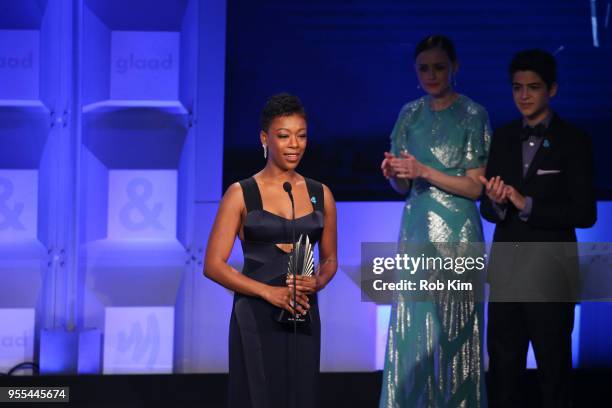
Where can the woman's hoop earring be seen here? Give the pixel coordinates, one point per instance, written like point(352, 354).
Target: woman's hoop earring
point(265, 147)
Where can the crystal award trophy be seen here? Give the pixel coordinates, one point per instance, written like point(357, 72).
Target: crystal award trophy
point(301, 262)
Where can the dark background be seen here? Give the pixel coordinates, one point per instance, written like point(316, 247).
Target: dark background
point(351, 64)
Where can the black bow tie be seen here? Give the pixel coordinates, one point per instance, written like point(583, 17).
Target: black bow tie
point(538, 131)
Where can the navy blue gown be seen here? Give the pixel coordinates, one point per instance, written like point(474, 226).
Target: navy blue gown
point(261, 350)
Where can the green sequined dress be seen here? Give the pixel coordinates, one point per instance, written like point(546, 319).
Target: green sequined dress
point(434, 352)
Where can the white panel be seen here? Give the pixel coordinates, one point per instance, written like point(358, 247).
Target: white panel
point(16, 337)
point(19, 61)
point(18, 205)
point(348, 325)
point(142, 204)
point(138, 340)
point(383, 315)
point(145, 65)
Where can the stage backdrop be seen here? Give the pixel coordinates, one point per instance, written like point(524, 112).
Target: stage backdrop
point(351, 62)
point(111, 126)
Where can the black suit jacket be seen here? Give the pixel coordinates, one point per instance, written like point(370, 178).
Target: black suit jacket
point(560, 182)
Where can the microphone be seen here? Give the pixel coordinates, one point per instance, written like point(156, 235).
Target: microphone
point(287, 187)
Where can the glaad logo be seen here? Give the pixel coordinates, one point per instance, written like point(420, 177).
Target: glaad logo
point(139, 191)
point(122, 65)
point(140, 343)
point(25, 62)
point(14, 341)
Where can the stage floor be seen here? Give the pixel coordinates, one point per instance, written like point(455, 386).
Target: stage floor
point(209, 390)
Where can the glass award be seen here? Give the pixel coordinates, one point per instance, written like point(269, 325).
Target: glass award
point(301, 262)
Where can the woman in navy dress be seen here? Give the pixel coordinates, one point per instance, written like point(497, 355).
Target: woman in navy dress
point(264, 370)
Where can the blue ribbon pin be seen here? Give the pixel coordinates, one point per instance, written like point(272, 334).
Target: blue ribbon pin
point(313, 199)
point(546, 143)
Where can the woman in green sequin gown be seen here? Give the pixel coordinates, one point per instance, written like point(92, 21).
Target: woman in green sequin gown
point(439, 147)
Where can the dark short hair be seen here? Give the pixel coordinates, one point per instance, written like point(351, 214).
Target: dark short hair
point(436, 41)
point(282, 104)
point(541, 62)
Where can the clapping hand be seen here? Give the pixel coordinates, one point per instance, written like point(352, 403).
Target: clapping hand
point(386, 166)
point(404, 167)
point(516, 198)
point(495, 189)
point(409, 167)
point(500, 193)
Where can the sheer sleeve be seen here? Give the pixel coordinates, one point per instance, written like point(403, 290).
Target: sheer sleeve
point(399, 134)
point(478, 140)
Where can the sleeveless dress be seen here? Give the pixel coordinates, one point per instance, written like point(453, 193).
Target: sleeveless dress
point(261, 350)
point(434, 347)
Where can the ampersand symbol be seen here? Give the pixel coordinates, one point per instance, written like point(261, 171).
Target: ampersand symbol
point(140, 190)
point(9, 217)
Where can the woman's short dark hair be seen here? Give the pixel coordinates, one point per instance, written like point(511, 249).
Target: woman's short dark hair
point(436, 41)
point(282, 104)
point(541, 62)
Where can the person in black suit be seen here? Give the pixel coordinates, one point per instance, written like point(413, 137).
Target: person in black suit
point(538, 188)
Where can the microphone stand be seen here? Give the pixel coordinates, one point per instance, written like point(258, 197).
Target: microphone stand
point(287, 188)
